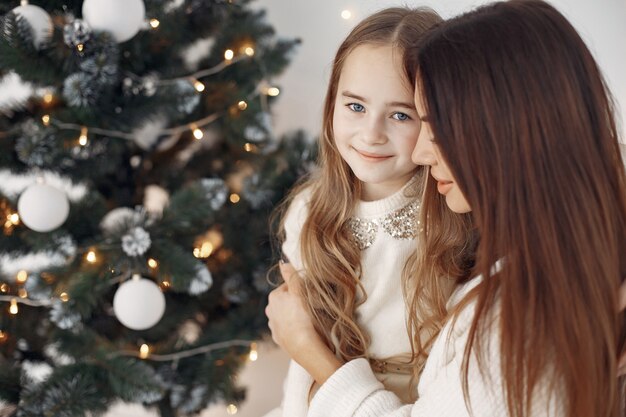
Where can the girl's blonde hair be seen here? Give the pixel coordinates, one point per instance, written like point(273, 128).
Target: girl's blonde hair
point(330, 257)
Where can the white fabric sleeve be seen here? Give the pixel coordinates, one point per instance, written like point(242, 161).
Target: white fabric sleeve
point(294, 220)
point(354, 391)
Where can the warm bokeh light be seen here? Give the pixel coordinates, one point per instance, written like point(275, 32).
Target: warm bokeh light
point(21, 277)
point(198, 86)
point(154, 23)
point(91, 257)
point(13, 309)
point(144, 351)
point(229, 54)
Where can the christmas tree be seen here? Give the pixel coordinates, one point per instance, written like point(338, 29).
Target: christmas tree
point(136, 185)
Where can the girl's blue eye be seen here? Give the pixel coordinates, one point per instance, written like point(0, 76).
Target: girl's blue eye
point(356, 107)
point(401, 116)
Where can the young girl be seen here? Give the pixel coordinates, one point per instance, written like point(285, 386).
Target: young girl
point(351, 227)
point(518, 131)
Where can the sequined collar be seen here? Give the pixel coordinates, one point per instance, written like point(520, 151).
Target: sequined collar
point(400, 224)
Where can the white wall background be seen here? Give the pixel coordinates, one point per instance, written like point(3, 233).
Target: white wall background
point(320, 26)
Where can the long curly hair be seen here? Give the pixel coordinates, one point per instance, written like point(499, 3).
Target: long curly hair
point(330, 257)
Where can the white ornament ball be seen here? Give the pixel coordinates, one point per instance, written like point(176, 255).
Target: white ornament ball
point(43, 208)
point(122, 18)
point(38, 20)
point(139, 303)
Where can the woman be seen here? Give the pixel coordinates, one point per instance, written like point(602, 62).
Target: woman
point(518, 131)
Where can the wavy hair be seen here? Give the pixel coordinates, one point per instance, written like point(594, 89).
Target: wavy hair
point(522, 116)
point(331, 259)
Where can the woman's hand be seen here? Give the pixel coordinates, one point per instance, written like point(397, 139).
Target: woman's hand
point(292, 328)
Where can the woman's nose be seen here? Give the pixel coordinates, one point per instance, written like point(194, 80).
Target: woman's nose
point(423, 153)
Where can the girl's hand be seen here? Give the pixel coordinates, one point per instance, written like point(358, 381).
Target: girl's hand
point(292, 328)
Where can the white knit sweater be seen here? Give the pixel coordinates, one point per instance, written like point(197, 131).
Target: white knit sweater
point(385, 230)
point(353, 391)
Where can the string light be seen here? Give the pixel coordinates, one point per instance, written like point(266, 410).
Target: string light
point(254, 354)
point(249, 147)
point(273, 91)
point(144, 351)
point(80, 47)
point(204, 251)
point(91, 257)
point(152, 263)
point(242, 105)
point(21, 277)
point(4, 288)
point(231, 409)
point(229, 55)
point(198, 86)
point(197, 133)
point(14, 218)
point(154, 23)
point(47, 98)
point(22, 293)
point(64, 297)
point(13, 309)
point(346, 14)
point(45, 119)
point(83, 139)
point(234, 198)
point(3, 336)
point(165, 285)
point(249, 51)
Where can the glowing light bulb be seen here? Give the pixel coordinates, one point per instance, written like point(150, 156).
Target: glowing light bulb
point(3, 336)
point(80, 47)
point(64, 297)
point(22, 293)
point(47, 98)
point(21, 277)
point(249, 147)
point(154, 23)
point(13, 309)
point(83, 139)
point(197, 133)
point(254, 354)
point(4, 288)
point(229, 54)
point(273, 91)
point(249, 51)
point(45, 119)
point(231, 409)
point(152, 263)
point(144, 351)
point(198, 86)
point(14, 218)
point(91, 257)
point(242, 105)
point(234, 198)
point(346, 14)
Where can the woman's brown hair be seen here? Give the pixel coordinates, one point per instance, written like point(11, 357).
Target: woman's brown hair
point(330, 257)
point(521, 114)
